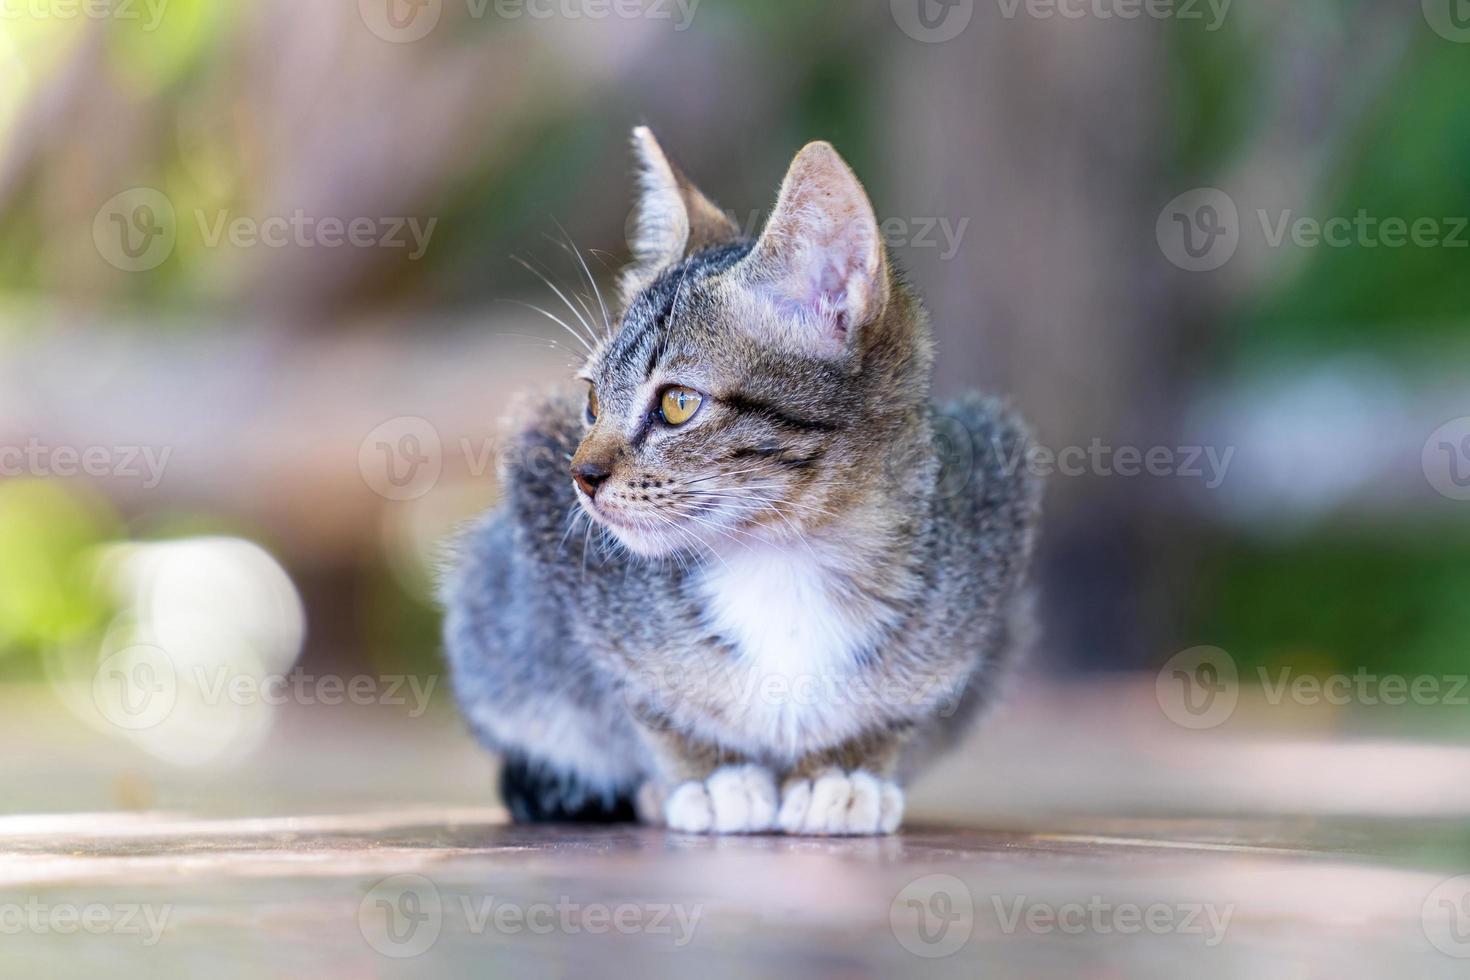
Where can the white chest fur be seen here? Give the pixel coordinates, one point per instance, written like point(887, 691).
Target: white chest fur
point(798, 634)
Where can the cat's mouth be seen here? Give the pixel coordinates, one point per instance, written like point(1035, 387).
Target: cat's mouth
point(642, 537)
point(612, 519)
point(653, 533)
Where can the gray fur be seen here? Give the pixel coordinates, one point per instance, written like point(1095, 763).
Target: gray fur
point(591, 650)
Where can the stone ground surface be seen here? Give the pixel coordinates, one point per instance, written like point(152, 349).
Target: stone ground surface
point(360, 849)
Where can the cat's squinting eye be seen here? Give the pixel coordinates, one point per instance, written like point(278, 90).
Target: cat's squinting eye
point(592, 407)
point(677, 405)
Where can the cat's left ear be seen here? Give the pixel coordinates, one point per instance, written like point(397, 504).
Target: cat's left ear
point(673, 218)
point(821, 260)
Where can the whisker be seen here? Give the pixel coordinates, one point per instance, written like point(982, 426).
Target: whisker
point(585, 538)
point(716, 476)
point(591, 333)
point(606, 319)
point(550, 342)
point(554, 319)
point(577, 512)
point(800, 507)
point(697, 543)
point(724, 531)
point(774, 506)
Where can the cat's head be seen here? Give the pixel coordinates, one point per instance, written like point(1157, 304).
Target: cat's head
point(749, 390)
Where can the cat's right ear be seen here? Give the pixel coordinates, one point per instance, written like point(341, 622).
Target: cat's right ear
point(673, 218)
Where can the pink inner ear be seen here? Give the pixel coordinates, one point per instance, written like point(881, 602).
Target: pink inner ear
point(827, 296)
point(820, 283)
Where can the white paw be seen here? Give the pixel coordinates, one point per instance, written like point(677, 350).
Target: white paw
point(735, 800)
point(841, 804)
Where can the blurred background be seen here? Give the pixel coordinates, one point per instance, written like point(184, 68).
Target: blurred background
point(262, 311)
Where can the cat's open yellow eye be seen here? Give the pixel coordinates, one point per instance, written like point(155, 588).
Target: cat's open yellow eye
point(592, 407)
point(678, 405)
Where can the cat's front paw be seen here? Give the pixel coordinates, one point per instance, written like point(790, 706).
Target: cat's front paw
point(837, 804)
point(734, 800)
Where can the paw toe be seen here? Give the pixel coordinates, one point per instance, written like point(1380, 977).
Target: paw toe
point(837, 804)
point(831, 795)
point(865, 809)
point(796, 800)
point(743, 798)
point(890, 809)
point(689, 809)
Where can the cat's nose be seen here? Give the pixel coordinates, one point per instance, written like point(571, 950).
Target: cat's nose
point(589, 477)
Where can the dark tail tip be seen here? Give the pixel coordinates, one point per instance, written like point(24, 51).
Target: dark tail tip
point(536, 794)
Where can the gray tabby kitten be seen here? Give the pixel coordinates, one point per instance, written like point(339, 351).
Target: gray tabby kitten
point(781, 603)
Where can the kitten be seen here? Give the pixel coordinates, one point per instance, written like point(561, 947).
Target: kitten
point(773, 601)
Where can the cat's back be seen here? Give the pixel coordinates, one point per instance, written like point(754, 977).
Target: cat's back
point(987, 500)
